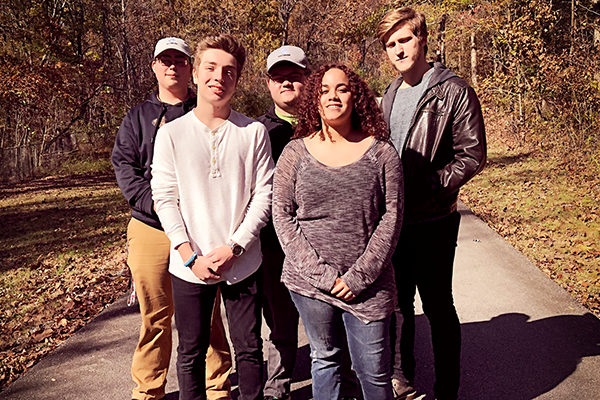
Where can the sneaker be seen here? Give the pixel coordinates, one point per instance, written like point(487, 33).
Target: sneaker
point(276, 398)
point(403, 390)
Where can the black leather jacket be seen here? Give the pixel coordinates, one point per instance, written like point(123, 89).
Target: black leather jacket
point(445, 146)
point(134, 149)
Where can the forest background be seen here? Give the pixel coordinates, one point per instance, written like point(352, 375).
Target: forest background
point(70, 70)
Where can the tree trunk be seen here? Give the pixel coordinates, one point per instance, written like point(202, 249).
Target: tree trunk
point(460, 58)
point(473, 60)
point(572, 27)
point(441, 53)
point(125, 56)
point(105, 37)
point(284, 13)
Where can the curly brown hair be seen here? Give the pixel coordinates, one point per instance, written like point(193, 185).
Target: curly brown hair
point(366, 114)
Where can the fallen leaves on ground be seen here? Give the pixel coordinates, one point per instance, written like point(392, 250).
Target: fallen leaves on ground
point(62, 262)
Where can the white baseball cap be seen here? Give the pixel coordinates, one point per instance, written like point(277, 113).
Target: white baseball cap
point(172, 43)
point(291, 54)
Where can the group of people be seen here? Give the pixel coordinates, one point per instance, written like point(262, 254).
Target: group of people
point(330, 207)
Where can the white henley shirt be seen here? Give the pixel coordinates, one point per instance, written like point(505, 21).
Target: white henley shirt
point(212, 186)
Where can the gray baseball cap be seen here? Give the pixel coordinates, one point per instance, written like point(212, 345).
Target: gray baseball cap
point(291, 54)
point(172, 43)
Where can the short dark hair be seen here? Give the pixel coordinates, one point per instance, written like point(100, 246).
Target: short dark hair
point(397, 18)
point(366, 114)
point(225, 42)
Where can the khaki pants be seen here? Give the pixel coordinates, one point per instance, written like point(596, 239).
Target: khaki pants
point(148, 260)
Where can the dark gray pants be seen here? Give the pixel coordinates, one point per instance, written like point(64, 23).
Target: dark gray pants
point(281, 317)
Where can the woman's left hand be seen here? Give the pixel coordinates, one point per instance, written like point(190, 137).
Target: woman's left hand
point(342, 291)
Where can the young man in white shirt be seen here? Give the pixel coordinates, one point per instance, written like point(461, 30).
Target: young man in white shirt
point(148, 246)
point(211, 185)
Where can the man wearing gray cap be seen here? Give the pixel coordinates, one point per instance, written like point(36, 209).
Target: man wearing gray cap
point(287, 67)
point(286, 70)
point(148, 246)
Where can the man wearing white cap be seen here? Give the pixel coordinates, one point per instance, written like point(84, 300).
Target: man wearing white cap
point(148, 246)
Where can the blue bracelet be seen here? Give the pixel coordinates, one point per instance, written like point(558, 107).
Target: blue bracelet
point(191, 260)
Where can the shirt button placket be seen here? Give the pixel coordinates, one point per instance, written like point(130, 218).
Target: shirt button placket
point(214, 166)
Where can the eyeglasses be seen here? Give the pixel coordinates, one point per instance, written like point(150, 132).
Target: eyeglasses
point(295, 77)
point(168, 61)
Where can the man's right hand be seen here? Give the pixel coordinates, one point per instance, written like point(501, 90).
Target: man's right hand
point(203, 268)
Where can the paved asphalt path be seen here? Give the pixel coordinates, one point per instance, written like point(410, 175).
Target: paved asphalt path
point(523, 338)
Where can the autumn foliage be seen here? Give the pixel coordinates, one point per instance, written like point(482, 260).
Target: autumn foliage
point(70, 70)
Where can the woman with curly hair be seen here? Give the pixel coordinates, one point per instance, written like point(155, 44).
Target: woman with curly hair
point(337, 210)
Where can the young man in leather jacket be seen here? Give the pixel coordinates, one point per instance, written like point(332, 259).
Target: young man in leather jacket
point(436, 125)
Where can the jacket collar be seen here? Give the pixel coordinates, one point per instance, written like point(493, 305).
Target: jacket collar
point(272, 115)
point(440, 75)
point(188, 103)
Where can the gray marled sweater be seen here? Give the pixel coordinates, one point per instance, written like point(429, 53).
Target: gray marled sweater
point(340, 222)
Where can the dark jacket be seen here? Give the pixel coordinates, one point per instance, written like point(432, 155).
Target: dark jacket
point(280, 133)
point(134, 149)
point(445, 146)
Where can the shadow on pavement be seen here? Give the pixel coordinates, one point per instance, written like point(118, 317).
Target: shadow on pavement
point(511, 356)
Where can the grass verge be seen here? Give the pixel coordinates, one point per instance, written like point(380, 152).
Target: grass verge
point(546, 208)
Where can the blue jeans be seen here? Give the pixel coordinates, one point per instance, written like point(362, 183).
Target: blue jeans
point(369, 347)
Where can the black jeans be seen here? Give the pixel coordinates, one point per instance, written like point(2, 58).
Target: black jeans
point(424, 259)
point(193, 310)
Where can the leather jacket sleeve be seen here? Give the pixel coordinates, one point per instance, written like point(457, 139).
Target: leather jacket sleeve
point(468, 145)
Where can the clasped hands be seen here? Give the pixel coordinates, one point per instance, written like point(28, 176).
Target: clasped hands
point(211, 265)
point(342, 291)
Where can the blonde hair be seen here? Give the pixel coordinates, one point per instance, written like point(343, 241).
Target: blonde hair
point(399, 17)
point(226, 42)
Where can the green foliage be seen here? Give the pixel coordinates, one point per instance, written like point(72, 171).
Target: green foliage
point(540, 66)
point(85, 163)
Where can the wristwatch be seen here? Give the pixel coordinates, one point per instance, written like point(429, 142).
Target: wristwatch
point(236, 248)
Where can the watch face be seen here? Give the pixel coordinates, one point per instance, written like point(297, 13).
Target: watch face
point(237, 250)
